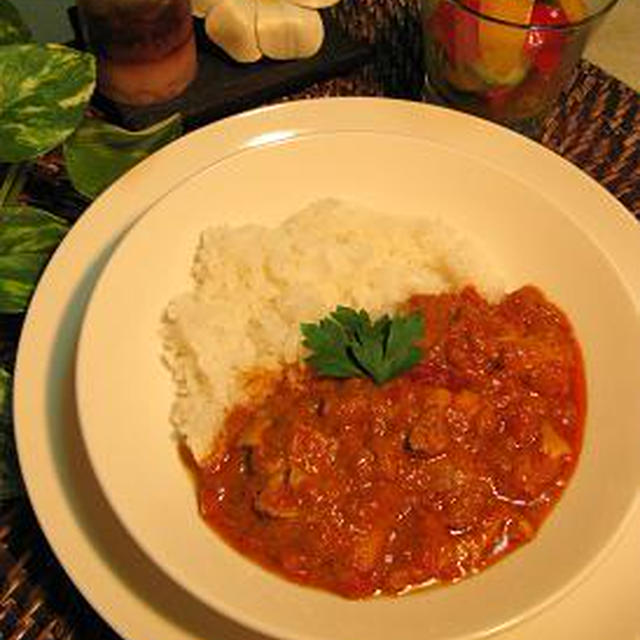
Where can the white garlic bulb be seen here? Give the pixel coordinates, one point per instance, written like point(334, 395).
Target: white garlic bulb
point(279, 29)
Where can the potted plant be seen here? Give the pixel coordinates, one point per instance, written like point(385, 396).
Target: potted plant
point(45, 93)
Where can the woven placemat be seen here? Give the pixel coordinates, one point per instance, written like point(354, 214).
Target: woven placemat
point(595, 124)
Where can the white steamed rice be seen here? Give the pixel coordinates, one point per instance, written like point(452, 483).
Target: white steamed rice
point(253, 286)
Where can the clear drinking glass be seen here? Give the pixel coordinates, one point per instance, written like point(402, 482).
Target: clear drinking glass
point(506, 60)
point(145, 48)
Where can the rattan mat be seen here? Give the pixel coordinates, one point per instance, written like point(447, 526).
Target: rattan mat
point(595, 124)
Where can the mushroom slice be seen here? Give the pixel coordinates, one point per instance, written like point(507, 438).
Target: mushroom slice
point(286, 31)
point(231, 25)
point(277, 500)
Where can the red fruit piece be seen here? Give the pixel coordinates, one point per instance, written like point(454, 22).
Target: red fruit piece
point(456, 30)
point(466, 33)
point(543, 46)
point(498, 96)
point(440, 25)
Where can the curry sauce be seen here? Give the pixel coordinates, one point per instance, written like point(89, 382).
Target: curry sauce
point(362, 489)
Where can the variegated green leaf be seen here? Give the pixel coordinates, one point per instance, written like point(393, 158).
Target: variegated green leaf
point(10, 482)
point(19, 273)
point(28, 236)
point(98, 153)
point(15, 178)
point(12, 27)
point(44, 90)
point(5, 394)
point(29, 230)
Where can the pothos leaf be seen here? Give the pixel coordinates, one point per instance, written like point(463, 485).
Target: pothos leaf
point(44, 91)
point(98, 153)
point(29, 230)
point(15, 178)
point(12, 28)
point(27, 238)
point(10, 481)
point(19, 274)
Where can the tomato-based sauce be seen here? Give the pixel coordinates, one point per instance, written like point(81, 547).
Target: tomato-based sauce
point(363, 489)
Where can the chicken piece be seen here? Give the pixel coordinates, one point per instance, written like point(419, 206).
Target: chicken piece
point(542, 363)
point(431, 435)
point(368, 549)
point(387, 451)
point(311, 451)
point(252, 435)
point(375, 519)
point(464, 506)
point(459, 416)
point(487, 422)
point(297, 477)
point(467, 401)
point(533, 472)
point(523, 422)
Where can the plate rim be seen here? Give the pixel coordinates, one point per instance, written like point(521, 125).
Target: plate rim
point(412, 112)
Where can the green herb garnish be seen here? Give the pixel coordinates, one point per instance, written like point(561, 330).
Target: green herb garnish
point(346, 344)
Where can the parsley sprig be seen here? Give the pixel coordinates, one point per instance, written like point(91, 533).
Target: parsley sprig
point(347, 344)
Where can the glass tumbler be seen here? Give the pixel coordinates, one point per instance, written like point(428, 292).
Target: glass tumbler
point(145, 48)
point(506, 60)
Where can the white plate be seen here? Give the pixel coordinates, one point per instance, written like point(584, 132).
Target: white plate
point(124, 392)
point(116, 578)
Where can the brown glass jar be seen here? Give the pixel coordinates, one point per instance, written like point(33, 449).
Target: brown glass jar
point(145, 48)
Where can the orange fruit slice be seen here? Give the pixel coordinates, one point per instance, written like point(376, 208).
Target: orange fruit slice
point(502, 60)
point(575, 10)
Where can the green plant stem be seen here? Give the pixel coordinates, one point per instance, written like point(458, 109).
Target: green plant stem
point(13, 183)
